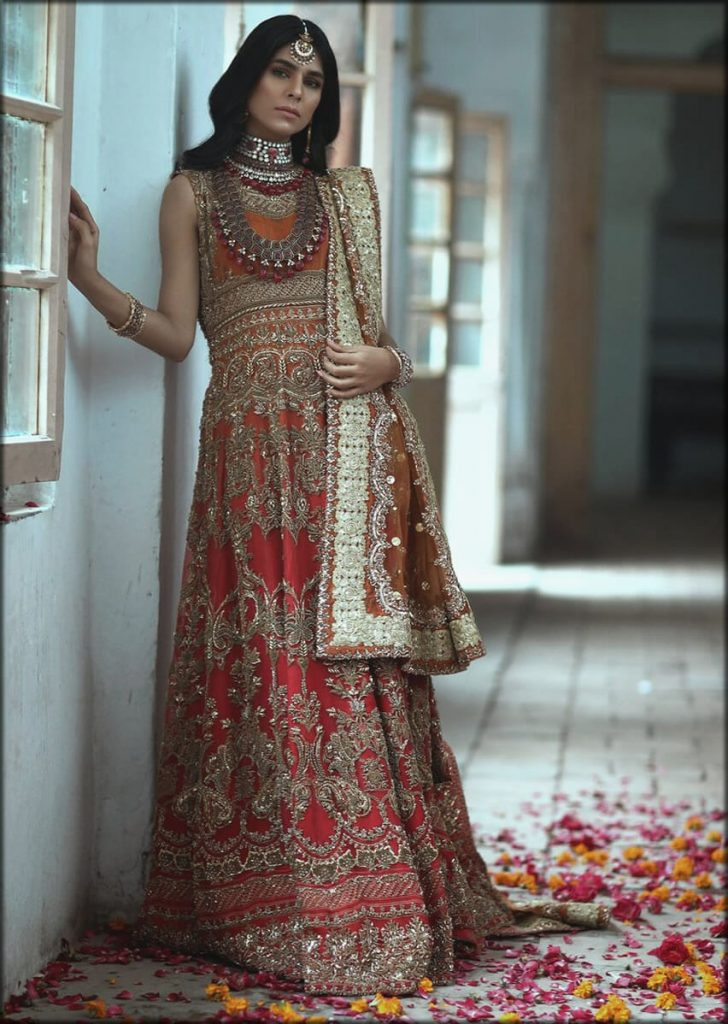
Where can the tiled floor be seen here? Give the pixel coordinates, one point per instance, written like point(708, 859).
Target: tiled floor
point(601, 696)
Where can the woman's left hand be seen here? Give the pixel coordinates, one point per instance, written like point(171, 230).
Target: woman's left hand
point(356, 369)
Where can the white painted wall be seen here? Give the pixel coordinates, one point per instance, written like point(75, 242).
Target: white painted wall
point(82, 580)
point(493, 57)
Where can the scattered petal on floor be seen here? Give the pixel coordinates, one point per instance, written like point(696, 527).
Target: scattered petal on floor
point(659, 866)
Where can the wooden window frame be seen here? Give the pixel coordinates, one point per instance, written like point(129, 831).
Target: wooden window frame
point(29, 458)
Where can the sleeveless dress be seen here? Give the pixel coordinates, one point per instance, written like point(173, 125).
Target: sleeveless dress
point(310, 819)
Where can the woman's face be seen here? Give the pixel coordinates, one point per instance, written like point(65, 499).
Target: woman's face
point(284, 100)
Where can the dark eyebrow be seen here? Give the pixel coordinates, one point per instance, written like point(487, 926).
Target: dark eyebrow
point(294, 67)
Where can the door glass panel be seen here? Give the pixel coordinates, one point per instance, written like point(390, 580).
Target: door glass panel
point(24, 28)
point(429, 275)
point(431, 141)
point(428, 340)
point(20, 339)
point(470, 219)
point(469, 281)
point(430, 210)
point(687, 31)
point(472, 157)
point(22, 201)
point(467, 344)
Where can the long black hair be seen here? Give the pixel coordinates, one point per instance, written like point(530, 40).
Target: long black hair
point(229, 97)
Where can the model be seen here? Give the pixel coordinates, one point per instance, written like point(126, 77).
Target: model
point(309, 817)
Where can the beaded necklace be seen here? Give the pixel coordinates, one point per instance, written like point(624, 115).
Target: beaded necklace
point(267, 167)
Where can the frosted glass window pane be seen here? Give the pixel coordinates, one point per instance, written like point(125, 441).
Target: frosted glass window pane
point(20, 353)
point(472, 157)
point(24, 28)
point(431, 141)
point(470, 219)
point(467, 344)
point(430, 210)
point(428, 275)
point(427, 340)
point(22, 201)
point(469, 281)
point(347, 144)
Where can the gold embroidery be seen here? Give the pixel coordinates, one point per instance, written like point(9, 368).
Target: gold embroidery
point(309, 817)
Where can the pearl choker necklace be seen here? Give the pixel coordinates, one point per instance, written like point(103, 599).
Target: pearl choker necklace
point(263, 160)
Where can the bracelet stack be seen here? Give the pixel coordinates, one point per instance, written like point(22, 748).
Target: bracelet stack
point(136, 320)
point(406, 369)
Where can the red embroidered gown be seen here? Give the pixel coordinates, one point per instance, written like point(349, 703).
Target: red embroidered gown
point(310, 819)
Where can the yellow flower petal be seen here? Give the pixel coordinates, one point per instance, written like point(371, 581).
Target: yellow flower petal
point(235, 1004)
point(217, 990)
point(388, 1006)
point(285, 1013)
point(683, 868)
point(96, 1007)
point(614, 1011)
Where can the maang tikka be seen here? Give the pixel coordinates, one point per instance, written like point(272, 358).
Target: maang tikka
point(302, 49)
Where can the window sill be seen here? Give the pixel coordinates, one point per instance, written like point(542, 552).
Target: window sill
point(20, 501)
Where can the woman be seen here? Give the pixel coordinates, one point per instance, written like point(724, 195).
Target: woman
point(309, 818)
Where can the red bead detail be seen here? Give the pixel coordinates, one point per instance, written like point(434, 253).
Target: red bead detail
point(308, 257)
point(277, 275)
point(299, 265)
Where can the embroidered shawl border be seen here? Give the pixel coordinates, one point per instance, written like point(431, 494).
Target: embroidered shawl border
point(357, 458)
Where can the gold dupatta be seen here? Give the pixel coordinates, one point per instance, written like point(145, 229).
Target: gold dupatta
point(387, 589)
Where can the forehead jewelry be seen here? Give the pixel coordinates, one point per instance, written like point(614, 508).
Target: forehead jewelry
point(302, 49)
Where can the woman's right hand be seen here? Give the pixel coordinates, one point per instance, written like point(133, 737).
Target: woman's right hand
point(83, 243)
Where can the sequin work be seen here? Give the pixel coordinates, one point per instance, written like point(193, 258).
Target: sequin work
point(309, 819)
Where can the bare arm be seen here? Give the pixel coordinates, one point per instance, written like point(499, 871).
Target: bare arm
point(169, 330)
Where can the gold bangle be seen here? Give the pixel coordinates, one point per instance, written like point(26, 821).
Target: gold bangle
point(135, 321)
point(395, 353)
